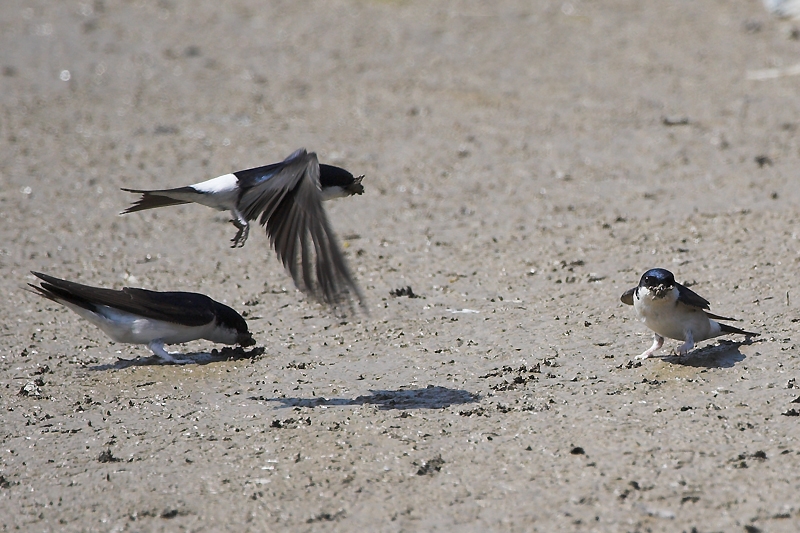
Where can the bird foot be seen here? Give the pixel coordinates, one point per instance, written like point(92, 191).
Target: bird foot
point(241, 236)
point(687, 346)
point(157, 347)
point(658, 342)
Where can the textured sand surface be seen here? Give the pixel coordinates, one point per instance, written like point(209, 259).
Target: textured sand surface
point(525, 162)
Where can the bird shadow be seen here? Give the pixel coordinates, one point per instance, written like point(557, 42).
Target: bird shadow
point(725, 354)
point(431, 397)
point(197, 358)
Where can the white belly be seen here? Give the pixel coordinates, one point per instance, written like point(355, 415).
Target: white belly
point(133, 329)
point(674, 320)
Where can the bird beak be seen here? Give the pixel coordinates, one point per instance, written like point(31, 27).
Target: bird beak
point(356, 187)
point(246, 339)
point(661, 291)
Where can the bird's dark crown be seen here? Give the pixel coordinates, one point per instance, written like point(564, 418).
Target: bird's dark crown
point(656, 277)
point(331, 176)
point(231, 319)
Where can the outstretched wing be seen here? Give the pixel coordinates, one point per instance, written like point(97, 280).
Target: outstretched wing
point(287, 200)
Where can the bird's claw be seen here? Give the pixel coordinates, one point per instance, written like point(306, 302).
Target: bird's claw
point(241, 236)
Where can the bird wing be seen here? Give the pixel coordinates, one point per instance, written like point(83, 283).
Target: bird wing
point(288, 201)
point(717, 317)
point(627, 296)
point(691, 298)
point(185, 308)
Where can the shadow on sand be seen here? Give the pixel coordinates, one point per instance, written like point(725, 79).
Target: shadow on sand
point(723, 355)
point(431, 397)
point(197, 358)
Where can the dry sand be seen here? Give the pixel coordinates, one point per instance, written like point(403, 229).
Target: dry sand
point(525, 163)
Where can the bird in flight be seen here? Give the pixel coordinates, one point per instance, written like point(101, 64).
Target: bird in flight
point(286, 198)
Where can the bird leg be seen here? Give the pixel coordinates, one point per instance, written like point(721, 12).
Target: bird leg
point(244, 229)
point(687, 346)
point(158, 349)
point(658, 342)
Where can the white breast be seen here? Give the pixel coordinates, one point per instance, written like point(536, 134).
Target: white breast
point(670, 318)
point(329, 193)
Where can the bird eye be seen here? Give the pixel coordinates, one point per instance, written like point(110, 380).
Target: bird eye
point(650, 280)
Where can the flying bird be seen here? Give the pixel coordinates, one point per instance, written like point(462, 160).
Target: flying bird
point(672, 310)
point(139, 316)
point(286, 198)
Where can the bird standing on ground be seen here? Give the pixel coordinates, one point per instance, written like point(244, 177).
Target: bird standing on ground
point(139, 316)
point(286, 198)
point(672, 310)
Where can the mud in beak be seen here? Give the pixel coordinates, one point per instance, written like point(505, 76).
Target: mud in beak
point(356, 187)
point(661, 291)
point(245, 340)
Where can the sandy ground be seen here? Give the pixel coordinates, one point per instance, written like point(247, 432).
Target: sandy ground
point(525, 164)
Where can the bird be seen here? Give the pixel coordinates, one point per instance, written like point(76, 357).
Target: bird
point(672, 310)
point(286, 198)
point(140, 316)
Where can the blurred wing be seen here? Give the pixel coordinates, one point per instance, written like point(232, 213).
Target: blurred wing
point(289, 204)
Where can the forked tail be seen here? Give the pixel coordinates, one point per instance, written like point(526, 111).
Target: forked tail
point(725, 328)
point(150, 200)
